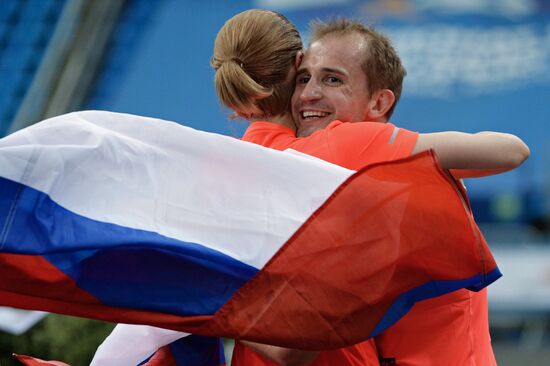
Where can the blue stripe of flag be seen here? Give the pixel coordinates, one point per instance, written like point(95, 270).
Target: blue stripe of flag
point(121, 266)
point(429, 290)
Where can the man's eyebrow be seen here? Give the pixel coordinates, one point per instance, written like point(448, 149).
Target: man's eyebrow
point(327, 70)
point(301, 71)
point(334, 70)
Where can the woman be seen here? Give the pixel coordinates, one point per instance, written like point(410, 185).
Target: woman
point(255, 54)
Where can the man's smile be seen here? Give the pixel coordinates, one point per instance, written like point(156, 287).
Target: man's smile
point(309, 115)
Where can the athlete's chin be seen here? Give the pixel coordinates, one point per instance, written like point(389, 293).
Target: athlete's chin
point(307, 127)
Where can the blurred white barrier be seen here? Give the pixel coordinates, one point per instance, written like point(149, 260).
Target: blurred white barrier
point(525, 286)
point(17, 321)
point(519, 302)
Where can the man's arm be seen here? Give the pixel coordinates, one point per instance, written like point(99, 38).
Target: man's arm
point(474, 155)
point(283, 356)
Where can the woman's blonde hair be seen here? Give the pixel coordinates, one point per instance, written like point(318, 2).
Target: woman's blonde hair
point(253, 54)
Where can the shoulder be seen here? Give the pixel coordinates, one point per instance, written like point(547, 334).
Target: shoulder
point(360, 131)
point(269, 134)
point(352, 128)
point(265, 127)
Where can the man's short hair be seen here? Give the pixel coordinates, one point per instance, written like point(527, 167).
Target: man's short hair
point(381, 63)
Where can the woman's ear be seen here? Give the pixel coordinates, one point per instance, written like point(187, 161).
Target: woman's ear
point(298, 59)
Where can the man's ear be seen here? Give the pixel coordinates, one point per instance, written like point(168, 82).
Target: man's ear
point(380, 103)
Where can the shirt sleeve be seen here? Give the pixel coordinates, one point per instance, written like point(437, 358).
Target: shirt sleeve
point(356, 145)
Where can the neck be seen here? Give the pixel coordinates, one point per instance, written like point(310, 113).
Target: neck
point(283, 120)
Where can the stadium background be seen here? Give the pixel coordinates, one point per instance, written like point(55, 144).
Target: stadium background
point(472, 65)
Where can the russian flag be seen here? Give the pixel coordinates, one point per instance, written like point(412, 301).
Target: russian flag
point(143, 221)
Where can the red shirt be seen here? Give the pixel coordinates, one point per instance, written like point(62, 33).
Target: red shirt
point(353, 146)
point(362, 354)
point(449, 330)
point(350, 145)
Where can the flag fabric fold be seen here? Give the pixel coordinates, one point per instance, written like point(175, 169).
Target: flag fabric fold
point(192, 350)
point(130, 344)
point(31, 361)
point(137, 220)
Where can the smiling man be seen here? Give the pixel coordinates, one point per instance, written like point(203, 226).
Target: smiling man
point(351, 73)
point(334, 84)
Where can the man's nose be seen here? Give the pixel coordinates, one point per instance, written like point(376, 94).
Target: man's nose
point(311, 91)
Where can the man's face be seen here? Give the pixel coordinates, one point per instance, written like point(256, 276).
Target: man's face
point(330, 84)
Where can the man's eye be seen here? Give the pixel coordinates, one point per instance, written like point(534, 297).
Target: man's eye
point(332, 80)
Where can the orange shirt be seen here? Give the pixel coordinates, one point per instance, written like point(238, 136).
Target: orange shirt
point(362, 354)
point(449, 330)
point(351, 145)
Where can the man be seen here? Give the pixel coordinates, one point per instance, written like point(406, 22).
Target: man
point(351, 73)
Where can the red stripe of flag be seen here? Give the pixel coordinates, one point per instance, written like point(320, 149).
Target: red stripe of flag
point(386, 231)
point(31, 361)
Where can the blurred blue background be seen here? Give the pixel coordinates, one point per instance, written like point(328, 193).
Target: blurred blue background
point(472, 65)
